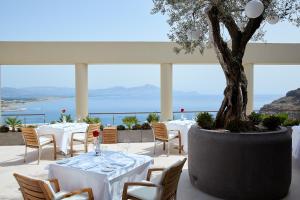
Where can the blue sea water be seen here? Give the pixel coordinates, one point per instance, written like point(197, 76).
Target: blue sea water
point(51, 108)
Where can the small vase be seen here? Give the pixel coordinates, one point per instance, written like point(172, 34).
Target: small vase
point(182, 117)
point(64, 119)
point(97, 146)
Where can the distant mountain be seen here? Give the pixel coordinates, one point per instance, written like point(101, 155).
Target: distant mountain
point(46, 92)
point(289, 104)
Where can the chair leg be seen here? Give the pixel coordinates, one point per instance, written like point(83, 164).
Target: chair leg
point(180, 147)
point(164, 146)
point(54, 146)
point(168, 148)
point(39, 154)
point(154, 147)
point(86, 147)
point(25, 155)
point(71, 148)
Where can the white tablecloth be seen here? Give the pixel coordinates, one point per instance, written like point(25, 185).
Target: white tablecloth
point(105, 174)
point(296, 142)
point(62, 133)
point(184, 127)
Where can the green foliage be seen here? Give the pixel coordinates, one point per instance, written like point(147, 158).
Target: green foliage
point(91, 120)
point(13, 122)
point(129, 121)
point(237, 126)
point(137, 127)
point(53, 122)
point(4, 129)
point(205, 120)
point(272, 122)
point(31, 126)
point(146, 126)
point(255, 118)
point(291, 122)
point(68, 118)
point(120, 127)
point(152, 117)
point(283, 117)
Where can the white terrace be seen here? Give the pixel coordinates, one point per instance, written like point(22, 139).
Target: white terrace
point(81, 54)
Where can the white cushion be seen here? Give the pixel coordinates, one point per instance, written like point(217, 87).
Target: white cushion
point(143, 192)
point(79, 136)
point(45, 140)
point(172, 134)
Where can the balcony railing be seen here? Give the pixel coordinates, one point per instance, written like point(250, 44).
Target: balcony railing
point(28, 118)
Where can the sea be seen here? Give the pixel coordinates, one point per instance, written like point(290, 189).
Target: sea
point(50, 109)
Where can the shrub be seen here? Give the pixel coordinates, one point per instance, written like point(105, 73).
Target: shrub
point(91, 120)
point(291, 122)
point(237, 126)
point(130, 121)
point(282, 117)
point(120, 127)
point(146, 126)
point(137, 127)
point(68, 118)
point(255, 118)
point(4, 128)
point(13, 122)
point(205, 120)
point(272, 122)
point(31, 126)
point(152, 117)
point(101, 127)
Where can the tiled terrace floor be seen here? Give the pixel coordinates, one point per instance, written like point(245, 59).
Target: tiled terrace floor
point(11, 160)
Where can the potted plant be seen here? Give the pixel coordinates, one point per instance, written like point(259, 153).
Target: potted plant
point(13, 122)
point(132, 132)
point(152, 117)
point(64, 118)
point(241, 163)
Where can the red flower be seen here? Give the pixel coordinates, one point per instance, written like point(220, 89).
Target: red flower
point(96, 133)
point(182, 110)
point(63, 110)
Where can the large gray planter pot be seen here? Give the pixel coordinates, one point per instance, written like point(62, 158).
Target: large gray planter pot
point(11, 138)
point(129, 136)
point(249, 166)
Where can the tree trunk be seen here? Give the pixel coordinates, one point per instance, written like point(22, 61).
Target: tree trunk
point(235, 95)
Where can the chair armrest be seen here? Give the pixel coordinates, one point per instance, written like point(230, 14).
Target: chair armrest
point(126, 185)
point(48, 135)
point(149, 173)
point(74, 133)
point(84, 190)
point(56, 184)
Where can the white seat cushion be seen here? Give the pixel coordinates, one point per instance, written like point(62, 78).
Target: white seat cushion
point(79, 136)
point(59, 195)
point(143, 192)
point(45, 140)
point(172, 134)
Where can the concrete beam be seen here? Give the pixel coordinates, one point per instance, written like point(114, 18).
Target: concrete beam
point(166, 92)
point(81, 82)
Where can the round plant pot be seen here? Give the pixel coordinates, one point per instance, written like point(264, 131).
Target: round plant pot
point(243, 166)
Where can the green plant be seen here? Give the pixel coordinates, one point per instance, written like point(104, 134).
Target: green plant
point(291, 122)
point(4, 129)
point(152, 117)
point(255, 118)
point(146, 126)
point(120, 127)
point(237, 126)
point(272, 122)
point(205, 120)
point(101, 127)
point(68, 118)
point(13, 122)
point(129, 121)
point(137, 127)
point(282, 117)
point(31, 126)
point(91, 120)
point(53, 122)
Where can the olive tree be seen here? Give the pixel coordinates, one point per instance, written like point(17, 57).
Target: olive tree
point(227, 27)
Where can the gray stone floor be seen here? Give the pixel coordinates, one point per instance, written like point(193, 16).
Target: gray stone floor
point(11, 160)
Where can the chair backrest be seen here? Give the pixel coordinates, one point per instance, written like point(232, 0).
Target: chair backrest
point(33, 189)
point(160, 130)
point(110, 135)
point(170, 179)
point(91, 128)
point(30, 137)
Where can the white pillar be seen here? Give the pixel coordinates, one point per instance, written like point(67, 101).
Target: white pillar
point(249, 71)
point(0, 97)
point(166, 91)
point(81, 79)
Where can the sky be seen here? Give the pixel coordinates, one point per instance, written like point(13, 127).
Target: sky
point(117, 20)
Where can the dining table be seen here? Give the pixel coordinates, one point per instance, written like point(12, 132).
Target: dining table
point(183, 125)
point(105, 174)
point(62, 133)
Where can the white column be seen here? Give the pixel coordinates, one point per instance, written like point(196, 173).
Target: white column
point(249, 71)
point(81, 79)
point(0, 97)
point(166, 91)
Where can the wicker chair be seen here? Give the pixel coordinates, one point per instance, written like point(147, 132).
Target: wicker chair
point(84, 137)
point(166, 189)
point(35, 189)
point(161, 133)
point(110, 135)
point(33, 140)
